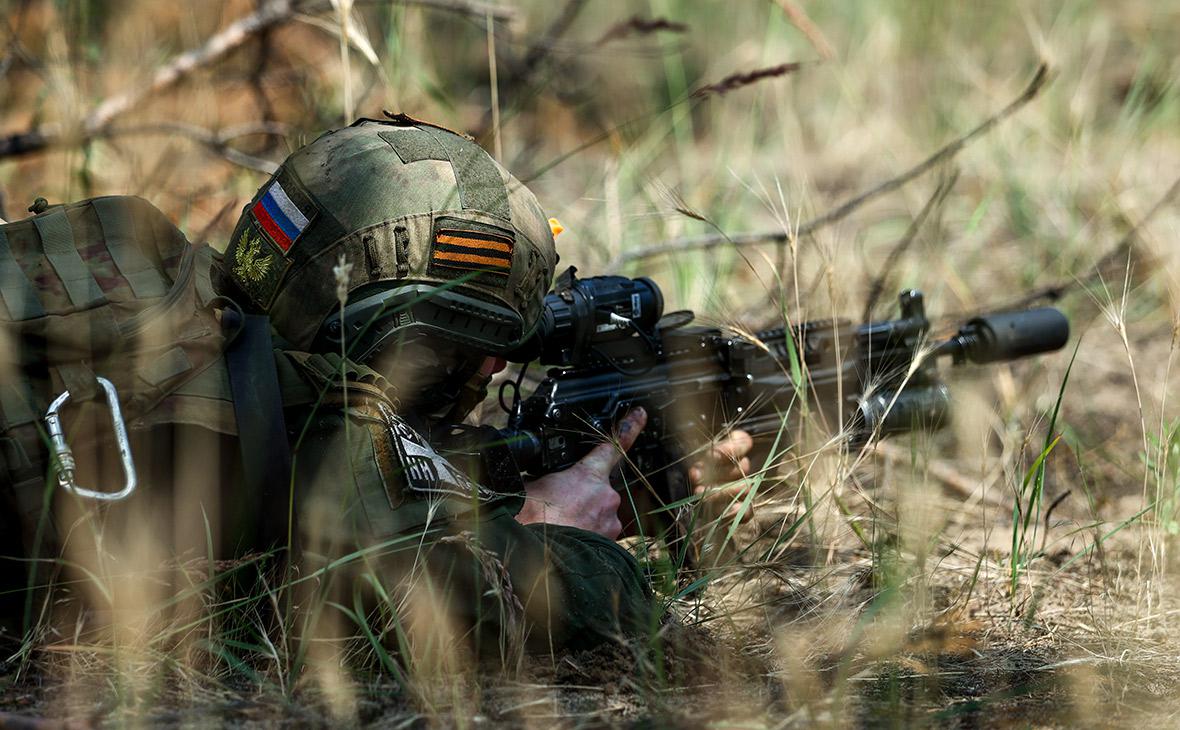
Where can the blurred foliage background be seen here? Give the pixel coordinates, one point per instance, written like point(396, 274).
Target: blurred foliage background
point(593, 105)
point(594, 110)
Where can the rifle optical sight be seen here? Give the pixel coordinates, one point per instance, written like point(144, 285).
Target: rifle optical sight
point(582, 313)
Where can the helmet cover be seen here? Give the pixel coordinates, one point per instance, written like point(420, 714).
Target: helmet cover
point(413, 207)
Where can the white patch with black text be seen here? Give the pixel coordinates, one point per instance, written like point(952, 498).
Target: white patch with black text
point(425, 470)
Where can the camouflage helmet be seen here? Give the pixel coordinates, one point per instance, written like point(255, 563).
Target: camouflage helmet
point(442, 241)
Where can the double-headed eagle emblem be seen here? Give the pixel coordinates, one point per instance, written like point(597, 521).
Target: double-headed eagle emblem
point(251, 263)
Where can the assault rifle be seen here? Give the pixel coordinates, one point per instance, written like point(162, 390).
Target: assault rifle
point(611, 347)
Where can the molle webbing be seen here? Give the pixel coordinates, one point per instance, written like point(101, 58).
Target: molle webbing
point(328, 369)
point(78, 257)
point(79, 379)
point(57, 239)
point(145, 332)
point(16, 404)
point(17, 292)
point(166, 367)
point(119, 230)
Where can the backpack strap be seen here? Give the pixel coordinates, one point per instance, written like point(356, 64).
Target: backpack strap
point(258, 404)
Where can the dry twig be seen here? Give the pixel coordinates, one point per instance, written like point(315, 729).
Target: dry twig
point(878, 285)
point(271, 14)
point(637, 25)
point(954, 481)
point(746, 78)
point(1114, 257)
point(844, 209)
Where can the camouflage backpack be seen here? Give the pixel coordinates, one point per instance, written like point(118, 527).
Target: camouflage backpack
point(104, 313)
point(106, 297)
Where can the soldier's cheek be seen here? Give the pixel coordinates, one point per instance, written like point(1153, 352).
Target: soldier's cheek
point(491, 366)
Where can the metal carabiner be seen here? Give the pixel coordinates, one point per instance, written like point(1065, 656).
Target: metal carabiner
point(65, 465)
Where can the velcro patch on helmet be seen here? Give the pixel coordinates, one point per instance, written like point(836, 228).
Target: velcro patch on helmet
point(461, 247)
point(284, 214)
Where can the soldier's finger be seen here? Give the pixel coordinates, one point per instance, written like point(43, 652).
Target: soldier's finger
point(629, 428)
point(734, 446)
point(604, 457)
point(737, 470)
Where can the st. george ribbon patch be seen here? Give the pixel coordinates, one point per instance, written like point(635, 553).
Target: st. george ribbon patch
point(457, 250)
point(279, 215)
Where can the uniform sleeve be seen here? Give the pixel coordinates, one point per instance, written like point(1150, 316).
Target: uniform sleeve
point(549, 586)
point(498, 582)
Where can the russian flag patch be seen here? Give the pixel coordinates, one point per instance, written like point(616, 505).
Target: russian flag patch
point(279, 215)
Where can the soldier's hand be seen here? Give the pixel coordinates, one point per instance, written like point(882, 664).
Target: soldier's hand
point(720, 476)
point(582, 496)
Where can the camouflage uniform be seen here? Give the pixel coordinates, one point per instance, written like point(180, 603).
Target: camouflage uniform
point(403, 202)
point(576, 588)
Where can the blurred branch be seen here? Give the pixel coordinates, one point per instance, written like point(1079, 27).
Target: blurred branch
point(216, 48)
point(878, 284)
point(1113, 257)
point(271, 14)
point(520, 72)
point(218, 142)
point(948, 151)
point(33, 140)
point(638, 25)
point(962, 486)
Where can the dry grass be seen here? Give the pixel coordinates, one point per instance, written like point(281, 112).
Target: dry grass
point(866, 591)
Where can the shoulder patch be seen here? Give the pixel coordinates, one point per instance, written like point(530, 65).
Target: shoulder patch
point(424, 471)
